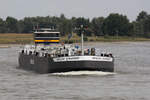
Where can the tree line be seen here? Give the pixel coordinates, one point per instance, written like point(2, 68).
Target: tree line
point(113, 25)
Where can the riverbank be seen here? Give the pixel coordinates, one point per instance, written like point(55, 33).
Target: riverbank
point(13, 38)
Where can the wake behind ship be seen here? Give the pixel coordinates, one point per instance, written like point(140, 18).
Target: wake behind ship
point(48, 55)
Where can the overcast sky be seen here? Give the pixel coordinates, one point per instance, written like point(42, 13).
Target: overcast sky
point(78, 8)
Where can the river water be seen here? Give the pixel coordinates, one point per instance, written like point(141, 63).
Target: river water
point(130, 81)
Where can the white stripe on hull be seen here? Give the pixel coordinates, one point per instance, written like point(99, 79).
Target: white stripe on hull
point(83, 58)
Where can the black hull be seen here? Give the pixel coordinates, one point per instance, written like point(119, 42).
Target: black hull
point(47, 65)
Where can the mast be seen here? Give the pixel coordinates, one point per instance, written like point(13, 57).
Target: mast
point(82, 46)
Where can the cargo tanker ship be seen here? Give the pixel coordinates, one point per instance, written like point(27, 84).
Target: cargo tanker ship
point(48, 55)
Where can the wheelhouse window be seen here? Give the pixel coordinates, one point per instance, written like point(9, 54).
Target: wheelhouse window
point(47, 35)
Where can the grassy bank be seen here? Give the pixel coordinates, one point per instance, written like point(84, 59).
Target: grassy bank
point(13, 38)
point(117, 39)
point(105, 39)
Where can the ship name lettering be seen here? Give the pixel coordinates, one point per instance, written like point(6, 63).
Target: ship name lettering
point(96, 58)
point(71, 58)
point(59, 59)
point(99, 58)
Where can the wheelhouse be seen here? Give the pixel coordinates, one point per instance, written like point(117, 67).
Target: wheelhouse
point(46, 36)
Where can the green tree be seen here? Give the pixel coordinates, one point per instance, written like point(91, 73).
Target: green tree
point(143, 22)
point(142, 16)
point(64, 25)
point(86, 24)
point(147, 26)
point(29, 24)
point(96, 26)
point(20, 26)
point(11, 25)
point(2, 26)
point(116, 24)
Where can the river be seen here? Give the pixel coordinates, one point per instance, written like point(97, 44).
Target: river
point(130, 81)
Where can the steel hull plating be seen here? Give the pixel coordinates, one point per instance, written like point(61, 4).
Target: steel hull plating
point(47, 65)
